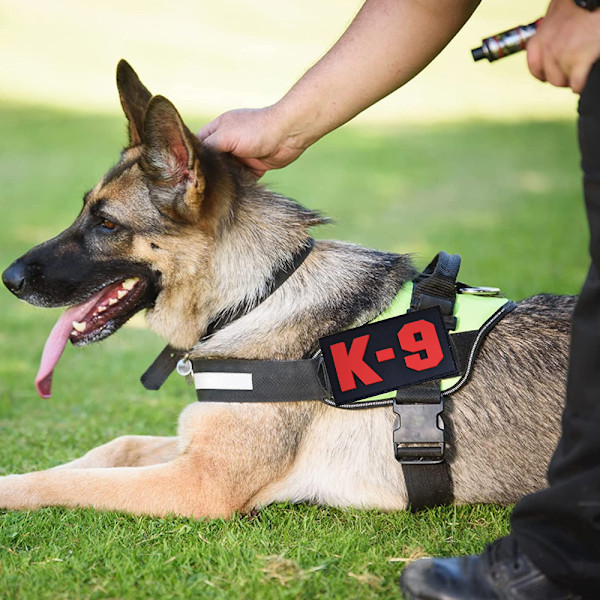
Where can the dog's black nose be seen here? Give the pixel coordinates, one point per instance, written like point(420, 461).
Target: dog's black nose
point(14, 278)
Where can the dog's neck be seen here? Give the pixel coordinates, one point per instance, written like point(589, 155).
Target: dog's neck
point(260, 236)
point(264, 235)
point(337, 286)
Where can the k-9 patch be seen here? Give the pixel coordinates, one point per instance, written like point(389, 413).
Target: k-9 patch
point(388, 355)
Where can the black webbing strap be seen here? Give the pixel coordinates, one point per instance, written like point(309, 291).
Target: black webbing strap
point(420, 444)
point(428, 485)
point(436, 286)
point(277, 280)
point(260, 380)
point(164, 364)
point(419, 436)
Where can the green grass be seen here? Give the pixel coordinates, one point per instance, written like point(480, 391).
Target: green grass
point(506, 196)
point(285, 552)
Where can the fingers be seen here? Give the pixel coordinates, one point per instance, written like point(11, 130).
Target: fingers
point(579, 77)
point(566, 45)
point(258, 173)
point(219, 143)
point(554, 73)
point(543, 65)
point(254, 137)
point(209, 128)
point(216, 139)
point(218, 136)
point(534, 58)
point(206, 131)
point(235, 131)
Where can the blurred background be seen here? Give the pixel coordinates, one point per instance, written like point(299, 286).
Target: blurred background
point(209, 56)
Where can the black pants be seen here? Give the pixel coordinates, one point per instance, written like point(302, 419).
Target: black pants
point(559, 528)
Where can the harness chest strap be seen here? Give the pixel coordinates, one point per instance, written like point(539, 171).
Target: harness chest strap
point(419, 432)
point(306, 379)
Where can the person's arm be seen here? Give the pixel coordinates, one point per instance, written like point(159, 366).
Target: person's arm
point(386, 45)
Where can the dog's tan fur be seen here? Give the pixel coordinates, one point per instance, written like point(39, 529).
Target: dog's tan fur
point(215, 240)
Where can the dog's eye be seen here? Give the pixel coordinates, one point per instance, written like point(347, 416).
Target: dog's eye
point(108, 225)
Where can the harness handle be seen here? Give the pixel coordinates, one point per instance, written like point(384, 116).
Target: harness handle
point(436, 286)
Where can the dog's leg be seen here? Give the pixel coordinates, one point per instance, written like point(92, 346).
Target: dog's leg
point(127, 451)
point(228, 455)
point(176, 487)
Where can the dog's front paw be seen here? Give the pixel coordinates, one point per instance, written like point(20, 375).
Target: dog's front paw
point(17, 492)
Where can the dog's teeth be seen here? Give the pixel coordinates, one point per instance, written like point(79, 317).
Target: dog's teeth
point(101, 309)
point(122, 294)
point(112, 301)
point(77, 326)
point(128, 284)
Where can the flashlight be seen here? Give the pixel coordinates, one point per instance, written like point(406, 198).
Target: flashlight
point(505, 43)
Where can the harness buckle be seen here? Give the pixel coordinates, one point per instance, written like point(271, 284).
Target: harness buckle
point(419, 433)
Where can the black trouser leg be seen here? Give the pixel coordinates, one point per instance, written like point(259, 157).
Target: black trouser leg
point(559, 528)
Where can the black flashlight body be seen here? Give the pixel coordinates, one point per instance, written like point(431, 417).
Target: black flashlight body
point(505, 43)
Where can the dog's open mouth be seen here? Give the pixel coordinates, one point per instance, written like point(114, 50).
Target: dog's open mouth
point(91, 321)
point(110, 308)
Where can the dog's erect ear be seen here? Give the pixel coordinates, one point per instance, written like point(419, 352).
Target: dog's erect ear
point(169, 157)
point(134, 99)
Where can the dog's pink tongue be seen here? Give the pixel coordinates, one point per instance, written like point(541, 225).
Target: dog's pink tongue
point(56, 342)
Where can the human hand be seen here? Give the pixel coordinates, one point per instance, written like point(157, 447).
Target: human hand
point(566, 45)
point(259, 138)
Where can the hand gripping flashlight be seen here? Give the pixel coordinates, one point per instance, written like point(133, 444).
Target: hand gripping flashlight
point(505, 43)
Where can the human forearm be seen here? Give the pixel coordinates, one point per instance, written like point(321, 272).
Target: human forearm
point(387, 44)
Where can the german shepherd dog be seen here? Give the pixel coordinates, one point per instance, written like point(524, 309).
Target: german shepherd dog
point(187, 235)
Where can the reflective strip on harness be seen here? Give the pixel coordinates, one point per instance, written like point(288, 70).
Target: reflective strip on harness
point(223, 381)
point(271, 380)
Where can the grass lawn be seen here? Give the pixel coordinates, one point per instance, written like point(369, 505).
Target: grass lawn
point(505, 196)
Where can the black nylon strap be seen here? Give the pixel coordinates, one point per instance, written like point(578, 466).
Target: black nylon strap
point(436, 286)
point(429, 484)
point(426, 484)
point(164, 364)
point(272, 380)
point(308, 378)
point(278, 279)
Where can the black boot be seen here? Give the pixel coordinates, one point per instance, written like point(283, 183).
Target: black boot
point(500, 572)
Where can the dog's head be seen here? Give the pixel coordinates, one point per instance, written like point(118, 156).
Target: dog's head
point(129, 247)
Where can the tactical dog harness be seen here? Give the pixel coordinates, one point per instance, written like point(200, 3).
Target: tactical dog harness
point(419, 437)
